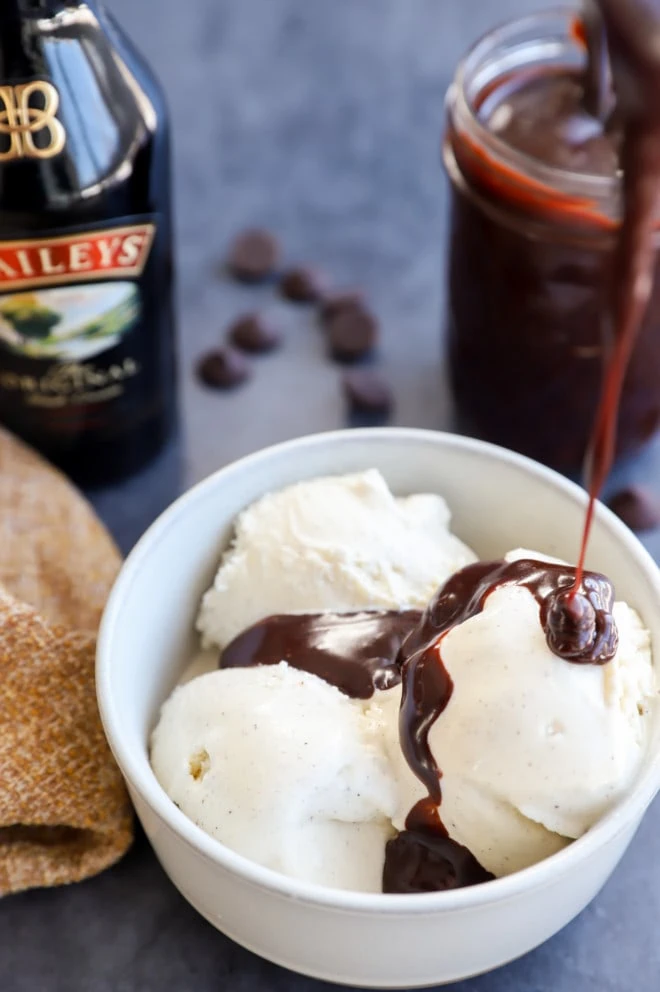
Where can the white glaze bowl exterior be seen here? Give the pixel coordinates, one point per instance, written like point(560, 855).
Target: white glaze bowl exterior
point(499, 500)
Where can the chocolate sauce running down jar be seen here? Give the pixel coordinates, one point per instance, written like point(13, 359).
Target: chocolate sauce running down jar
point(535, 208)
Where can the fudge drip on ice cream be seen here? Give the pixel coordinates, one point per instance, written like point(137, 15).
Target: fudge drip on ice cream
point(578, 627)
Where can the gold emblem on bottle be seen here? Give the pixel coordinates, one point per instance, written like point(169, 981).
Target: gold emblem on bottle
point(27, 111)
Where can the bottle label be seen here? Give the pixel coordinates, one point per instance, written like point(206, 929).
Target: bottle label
point(68, 307)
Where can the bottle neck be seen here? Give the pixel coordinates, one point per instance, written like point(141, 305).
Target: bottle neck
point(28, 33)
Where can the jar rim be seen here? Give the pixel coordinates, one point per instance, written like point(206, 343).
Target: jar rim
point(581, 185)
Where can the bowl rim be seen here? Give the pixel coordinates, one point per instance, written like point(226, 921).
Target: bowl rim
point(627, 812)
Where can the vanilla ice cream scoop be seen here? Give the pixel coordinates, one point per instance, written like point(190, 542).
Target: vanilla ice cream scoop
point(284, 769)
point(341, 543)
point(533, 748)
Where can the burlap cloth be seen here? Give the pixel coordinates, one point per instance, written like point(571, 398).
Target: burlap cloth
point(64, 812)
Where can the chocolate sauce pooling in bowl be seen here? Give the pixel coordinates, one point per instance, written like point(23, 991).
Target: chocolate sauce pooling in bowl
point(356, 652)
point(424, 858)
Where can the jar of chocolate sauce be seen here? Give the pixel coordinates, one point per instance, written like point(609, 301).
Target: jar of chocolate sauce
point(535, 208)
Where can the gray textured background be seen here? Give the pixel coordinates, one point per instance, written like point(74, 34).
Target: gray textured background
point(320, 119)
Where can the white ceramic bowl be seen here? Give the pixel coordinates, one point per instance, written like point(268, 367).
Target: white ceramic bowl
point(499, 501)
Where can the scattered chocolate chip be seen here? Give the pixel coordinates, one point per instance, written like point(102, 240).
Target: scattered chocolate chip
point(223, 368)
point(254, 333)
point(302, 285)
point(253, 256)
point(367, 391)
point(334, 303)
point(352, 334)
point(637, 507)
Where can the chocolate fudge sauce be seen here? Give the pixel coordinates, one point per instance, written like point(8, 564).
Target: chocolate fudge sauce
point(423, 858)
point(542, 114)
point(356, 652)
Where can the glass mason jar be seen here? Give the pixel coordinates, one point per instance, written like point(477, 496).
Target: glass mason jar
point(531, 268)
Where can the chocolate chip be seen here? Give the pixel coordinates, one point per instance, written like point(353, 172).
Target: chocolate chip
point(334, 303)
point(254, 333)
point(253, 255)
point(367, 391)
point(223, 368)
point(637, 507)
point(302, 285)
point(352, 334)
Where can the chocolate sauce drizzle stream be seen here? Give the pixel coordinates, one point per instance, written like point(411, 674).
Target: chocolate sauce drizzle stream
point(633, 38)
point(598, 97)
point(578, 627)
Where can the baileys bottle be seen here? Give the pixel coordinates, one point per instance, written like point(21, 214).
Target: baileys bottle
point(87, 369)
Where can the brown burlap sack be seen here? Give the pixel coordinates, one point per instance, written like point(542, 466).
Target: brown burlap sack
point(64, 812)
